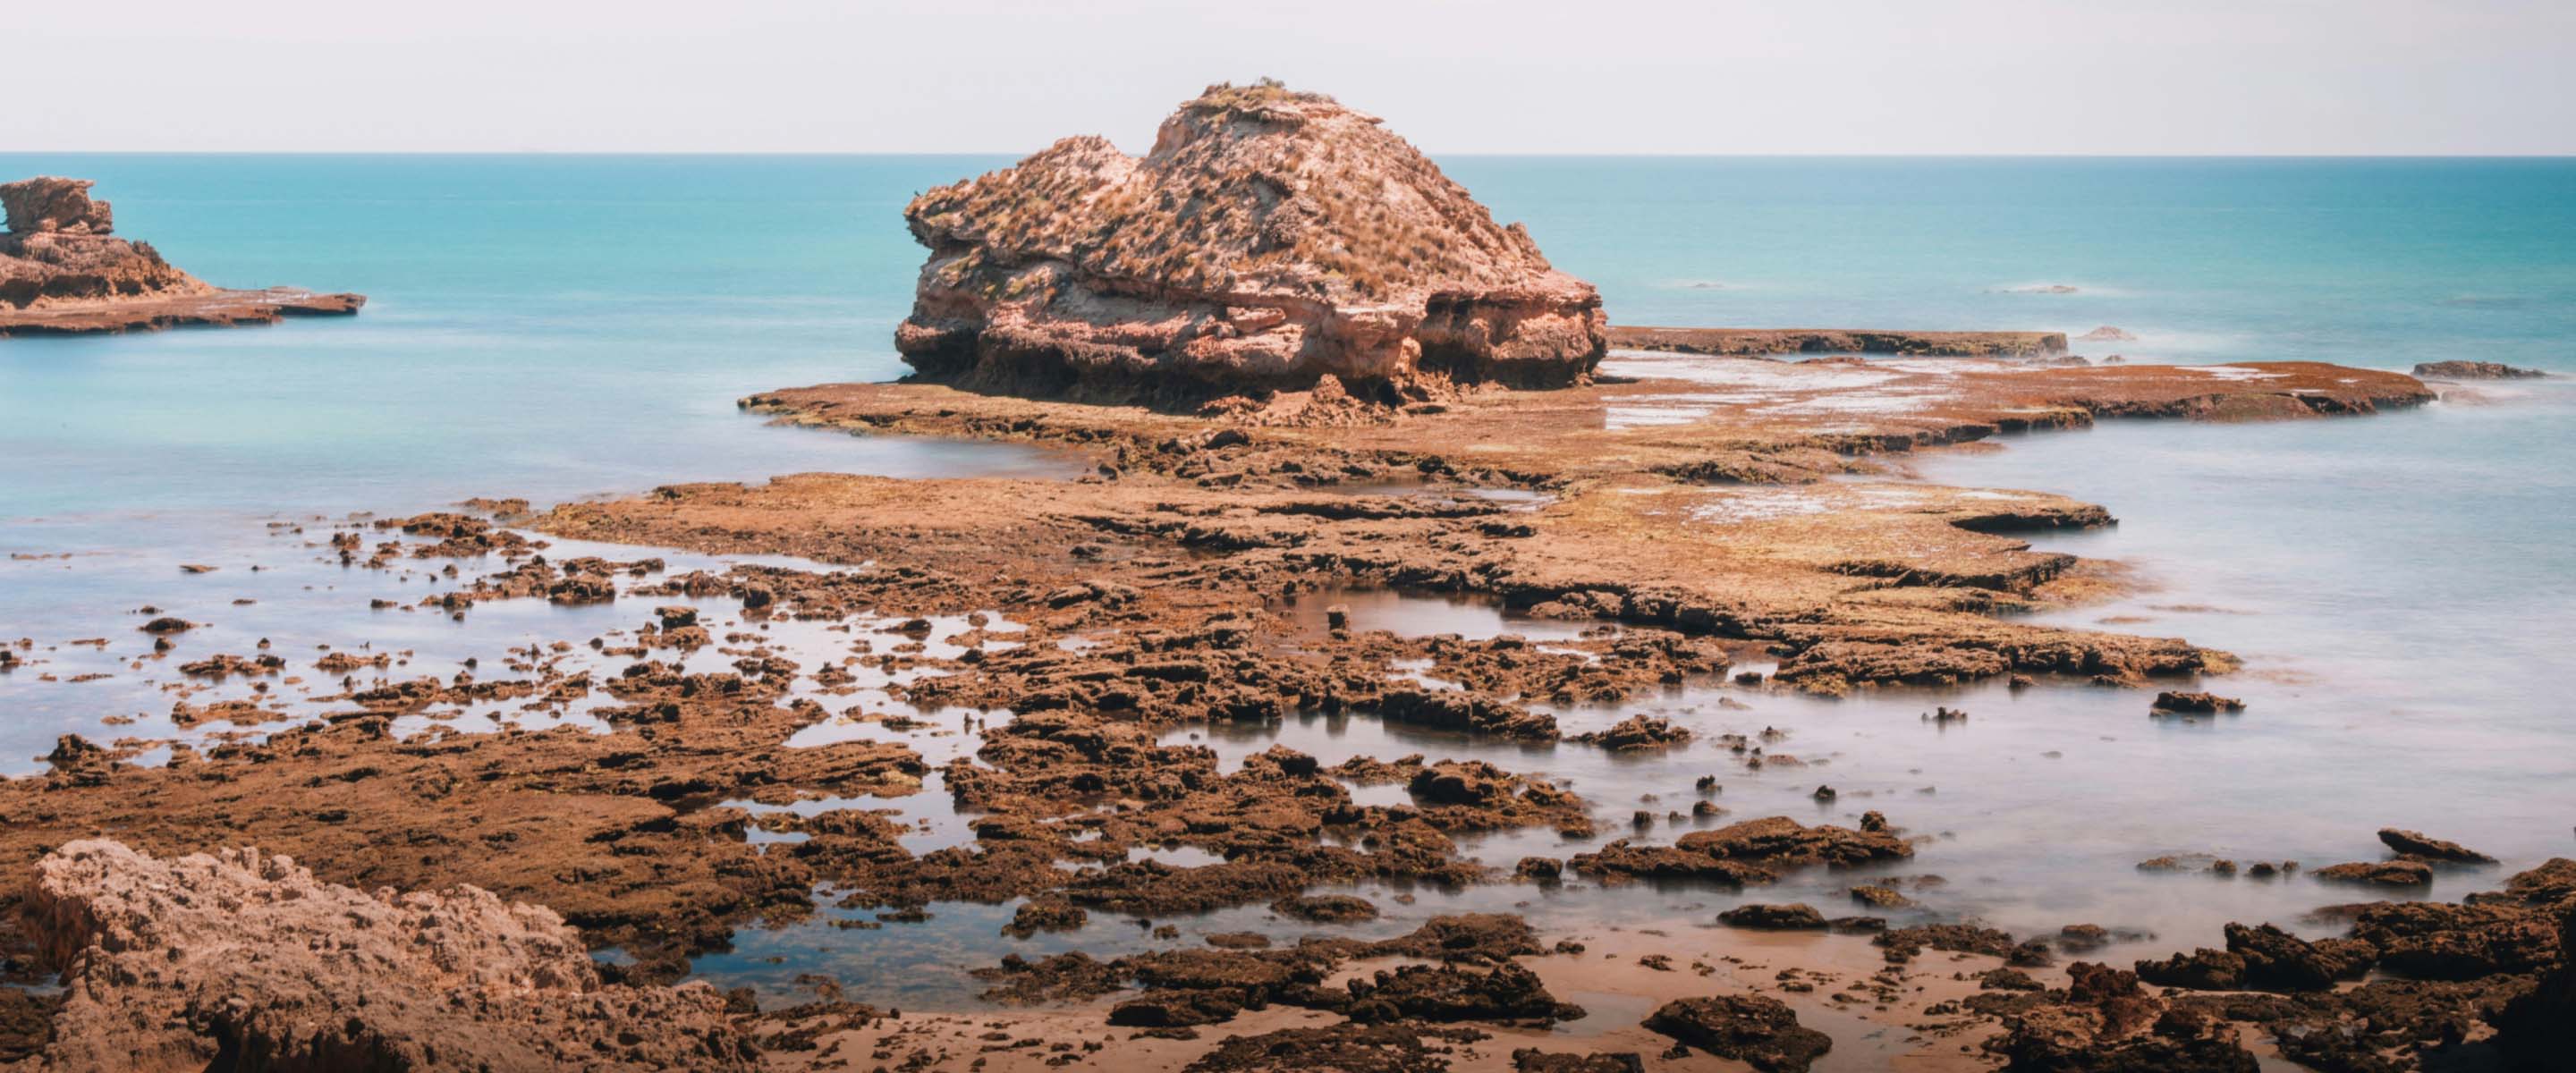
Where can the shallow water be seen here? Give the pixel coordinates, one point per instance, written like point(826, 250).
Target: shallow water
point(561, 327)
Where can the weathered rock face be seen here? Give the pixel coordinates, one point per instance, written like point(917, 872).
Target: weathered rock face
point(1269, 239)
point(243, 961)
point(51, 203)
point(62, 273)
point(58, 250)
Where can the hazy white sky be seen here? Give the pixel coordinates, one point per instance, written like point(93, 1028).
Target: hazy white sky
point(1459, 76)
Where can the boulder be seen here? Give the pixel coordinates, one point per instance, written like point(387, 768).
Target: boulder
point(244, 960)
point(1270, 238)
point(1757, 1030)
point(2420, 847)
point(2201, 970)
point(2276, 960)
point(2195, 703)
point(1505, 994)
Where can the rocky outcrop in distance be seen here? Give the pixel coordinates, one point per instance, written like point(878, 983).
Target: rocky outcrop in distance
point(63, 271)
point(1764, 342)
point(2474, 370)
point(59, 250)
point(1270, 239)
point(238, 960)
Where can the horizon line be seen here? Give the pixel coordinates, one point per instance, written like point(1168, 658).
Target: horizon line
point(2570, 155)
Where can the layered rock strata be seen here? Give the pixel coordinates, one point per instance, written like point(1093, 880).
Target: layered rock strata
point(1270, 239)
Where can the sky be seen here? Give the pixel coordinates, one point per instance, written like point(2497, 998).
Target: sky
point(1454, 76)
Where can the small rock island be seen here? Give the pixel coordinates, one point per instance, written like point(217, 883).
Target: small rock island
point(1270, 238)
point(63, 271)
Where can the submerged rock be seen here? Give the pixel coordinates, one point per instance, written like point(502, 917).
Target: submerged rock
point(1637, 732)
point(2197, 703)
point(1795, 916)
point(1753, 851)
point(1325, 908)
point(238, 957)
point(2379, 873)
point(1271, 238)
point(2415, 844)
point(2474, 370)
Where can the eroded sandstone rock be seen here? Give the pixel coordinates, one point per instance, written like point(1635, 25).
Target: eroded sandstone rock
point(1270, 239)
point(63, 272)
point(59, 250)
point(55, 204)
point(169, 964)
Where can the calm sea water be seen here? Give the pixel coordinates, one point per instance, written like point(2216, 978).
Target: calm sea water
point(557, 327)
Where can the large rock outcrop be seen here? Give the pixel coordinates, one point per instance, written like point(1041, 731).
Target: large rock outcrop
point(50, 204)
point(59, 249)
point(1269, 239)
point(63, 271)
point(242, 961)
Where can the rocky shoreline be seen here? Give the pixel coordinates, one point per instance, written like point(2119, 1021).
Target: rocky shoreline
point(62, 272)
point(1105, 612)
point(1294, 363)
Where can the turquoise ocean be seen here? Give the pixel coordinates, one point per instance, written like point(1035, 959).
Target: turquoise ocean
point(554, 327)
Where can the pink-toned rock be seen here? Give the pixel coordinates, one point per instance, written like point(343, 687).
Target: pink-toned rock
point(239, 960)
point(58, 251)
point(54, 204)
point(63, 273)
point(1269, 239)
